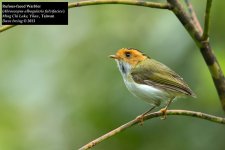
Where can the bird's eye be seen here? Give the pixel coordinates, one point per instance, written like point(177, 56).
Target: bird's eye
point(127, 54)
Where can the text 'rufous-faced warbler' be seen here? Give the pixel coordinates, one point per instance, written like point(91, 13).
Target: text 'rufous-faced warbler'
point(149, 79)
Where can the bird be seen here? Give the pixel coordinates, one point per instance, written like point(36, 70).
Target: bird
point(150, 80)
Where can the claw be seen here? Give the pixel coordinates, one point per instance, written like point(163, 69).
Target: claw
point(163, 110)
point(141, 119)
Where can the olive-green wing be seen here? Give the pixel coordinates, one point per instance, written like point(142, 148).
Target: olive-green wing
point(154, 73)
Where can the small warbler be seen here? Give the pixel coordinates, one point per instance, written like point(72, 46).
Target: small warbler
point(149, 79)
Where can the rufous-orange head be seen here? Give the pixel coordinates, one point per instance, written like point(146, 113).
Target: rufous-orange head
point(129, 55)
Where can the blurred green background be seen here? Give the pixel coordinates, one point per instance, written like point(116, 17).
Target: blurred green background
point(59, 89)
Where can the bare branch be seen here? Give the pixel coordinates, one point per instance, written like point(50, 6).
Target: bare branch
point(205, 35)
point(205, 48)
point(193, 16)
point(200, 115)
point(99, 2)
point(6, 27)
point(125, 2)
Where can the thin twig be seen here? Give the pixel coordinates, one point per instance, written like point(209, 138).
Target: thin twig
point(6, 27)
point(200, 115)
point(205, 35)
point(125, 2)
point(98, 2)
point(193, 16)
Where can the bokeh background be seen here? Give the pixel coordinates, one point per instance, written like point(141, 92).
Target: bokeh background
point(59, 89)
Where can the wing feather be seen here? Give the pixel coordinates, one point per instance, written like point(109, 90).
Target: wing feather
point(154, 73)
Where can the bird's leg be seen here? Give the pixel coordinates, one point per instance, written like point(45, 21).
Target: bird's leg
point(141, 117)
point(163, 110)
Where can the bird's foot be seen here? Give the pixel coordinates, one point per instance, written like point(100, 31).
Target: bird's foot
point(163, 111)
point(141, 119)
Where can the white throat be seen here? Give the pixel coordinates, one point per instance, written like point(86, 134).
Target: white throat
point(124, 68)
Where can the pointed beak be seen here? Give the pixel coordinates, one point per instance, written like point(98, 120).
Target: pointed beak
point(113, 56)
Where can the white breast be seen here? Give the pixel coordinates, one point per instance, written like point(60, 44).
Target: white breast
point(147, 93)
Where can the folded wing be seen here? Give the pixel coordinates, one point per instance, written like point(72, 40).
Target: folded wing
point(154, 73)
